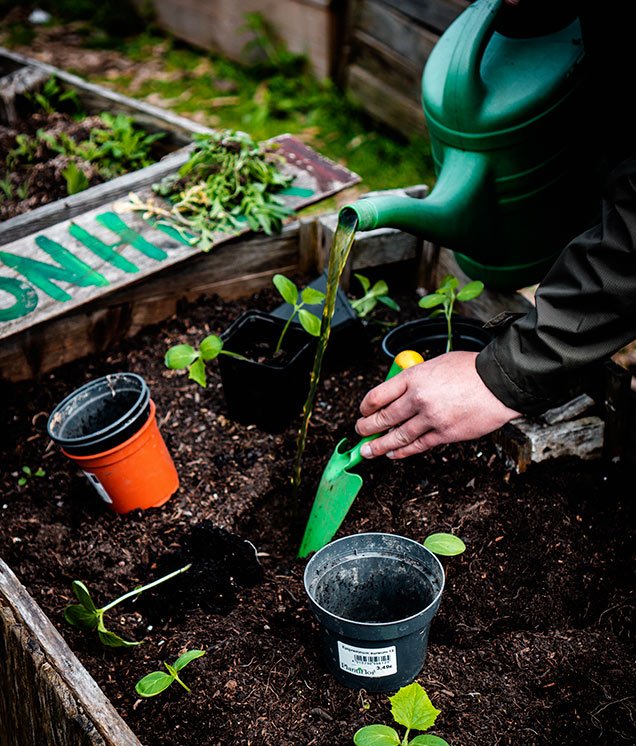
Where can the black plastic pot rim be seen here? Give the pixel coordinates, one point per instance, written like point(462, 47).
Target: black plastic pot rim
point(79, 446)
point(376, 554)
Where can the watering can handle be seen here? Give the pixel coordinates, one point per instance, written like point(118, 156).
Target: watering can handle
point(464, 86)
point(402, 361)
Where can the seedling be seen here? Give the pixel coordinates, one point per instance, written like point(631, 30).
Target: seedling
point(445, 296)
point(185, 356)
point(158, 681)
point(446, 545)
point(76, 179)
point(87, 616)
point(410, 707)
point(372, 296)
point(308, 297)
point(28, 473)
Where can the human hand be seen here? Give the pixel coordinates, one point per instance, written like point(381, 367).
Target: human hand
point(442, 400)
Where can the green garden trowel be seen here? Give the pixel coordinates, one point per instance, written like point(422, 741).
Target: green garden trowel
point(338, 487)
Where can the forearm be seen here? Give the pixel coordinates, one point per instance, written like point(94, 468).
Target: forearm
point(585, 311)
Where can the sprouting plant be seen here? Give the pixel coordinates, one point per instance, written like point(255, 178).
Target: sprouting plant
point(186, 356)
point(76, 179)
point(446, 545)
point(445, 296)
point(6, 188)
point(410, 707)
point(372, 296)
point(307, 297)
point(24, 151)
point(28, 473)
point(229, 181)
point(158, 681)
point(87, 616)
point(52, 95)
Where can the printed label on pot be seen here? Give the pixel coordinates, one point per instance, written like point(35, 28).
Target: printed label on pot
point(99, 487)
point(373, 662)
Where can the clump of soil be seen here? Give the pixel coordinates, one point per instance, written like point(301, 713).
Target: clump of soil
point(533, 642)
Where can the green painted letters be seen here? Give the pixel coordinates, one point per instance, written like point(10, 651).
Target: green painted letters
point(26, 299)
point(103, 250)
point(113, 222)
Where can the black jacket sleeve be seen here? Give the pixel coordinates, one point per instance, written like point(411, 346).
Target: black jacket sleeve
point(585, 311)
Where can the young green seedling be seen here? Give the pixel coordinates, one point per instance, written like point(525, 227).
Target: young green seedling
point(87, 616)
point(372, 296)
point(446, 545)
point(186, 356)
point(410, 707)
point(28, 473)
point(158, 681)
point(445, 296)
point(307, 297)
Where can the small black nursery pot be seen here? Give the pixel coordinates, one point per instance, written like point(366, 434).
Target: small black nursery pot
point(429, 336)
point(266, 390)
point(375, 596)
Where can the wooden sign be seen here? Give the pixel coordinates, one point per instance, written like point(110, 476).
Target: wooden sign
point(61, 268)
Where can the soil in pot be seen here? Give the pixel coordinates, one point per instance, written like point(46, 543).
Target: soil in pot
point(533, 641)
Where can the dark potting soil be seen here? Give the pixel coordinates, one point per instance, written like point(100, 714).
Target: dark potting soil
point(532, 643)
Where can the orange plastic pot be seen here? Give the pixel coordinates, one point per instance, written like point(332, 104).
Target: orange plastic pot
point(138, 473)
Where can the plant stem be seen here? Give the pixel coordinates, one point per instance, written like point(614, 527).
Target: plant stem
point(285, 328)
point(137, 591)
point(233, 354)
point(187, 688)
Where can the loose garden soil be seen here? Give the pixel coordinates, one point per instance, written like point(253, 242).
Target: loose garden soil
point(533, 640)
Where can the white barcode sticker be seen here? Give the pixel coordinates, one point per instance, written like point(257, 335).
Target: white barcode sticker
point(374, 662)
point(99, 487)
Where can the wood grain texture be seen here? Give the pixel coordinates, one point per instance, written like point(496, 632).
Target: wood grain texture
point(47, 698)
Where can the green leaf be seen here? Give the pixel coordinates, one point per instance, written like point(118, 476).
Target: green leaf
point(22, 481)
point(171, 670)
point(448, 282)
point(197, 372)
point(412, 707)
point(76, 180)
point(210, 347)
point(389, 302)
point(437, 312)
point(40, 473)
point(154, 683)
point(365, 306)
point(312, 297)
point(79, 616)
point(186, 658)
point(180, 356)
point(428, 740)
point(286, 288)
point(309, 322)
point(470, 290)
point(364, 281)
point(376, 735)
point(380, 288)
point(445, 544)
point(82, 595)
point(430, 301)
point(112, 640)
point(27, 470)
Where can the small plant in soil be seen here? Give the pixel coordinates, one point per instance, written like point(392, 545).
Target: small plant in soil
point(445, 296)
point(410, 707)
point(378, 293)
point(28, 474)
point(194, 359)
point(156, 682)
point(229, 181)
point(445, 545)
point(87, 616)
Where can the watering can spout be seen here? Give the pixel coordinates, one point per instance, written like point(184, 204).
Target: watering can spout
point(452, 215)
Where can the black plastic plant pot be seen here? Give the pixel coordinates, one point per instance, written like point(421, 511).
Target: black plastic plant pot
point(262, 390)
point(429, 336)
point(348, 339)
point(374, 596)
point(101, 414)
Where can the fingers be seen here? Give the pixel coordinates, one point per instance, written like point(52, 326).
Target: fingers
point(384, 394)
point(413, 431)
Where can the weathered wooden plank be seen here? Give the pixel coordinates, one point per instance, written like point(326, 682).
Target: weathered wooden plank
point(436, 14)
point(569, 411)
point(380, 100)
point(103, 251)
point(46, 695)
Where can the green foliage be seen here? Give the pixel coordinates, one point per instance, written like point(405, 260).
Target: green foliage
point(158, 681)
point(76, 179)
point(186, 356)
point(53, 97)
point(28, 474)
point(87, 616)
point(228, 181)
point(410, 707)
point(372, 296)
point(445, 545)
point(445, 296)
point(308, 297)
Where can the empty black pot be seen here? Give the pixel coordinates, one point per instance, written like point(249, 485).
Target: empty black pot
point(265, 393)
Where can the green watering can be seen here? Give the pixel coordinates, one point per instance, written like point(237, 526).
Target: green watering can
point(517, 166)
